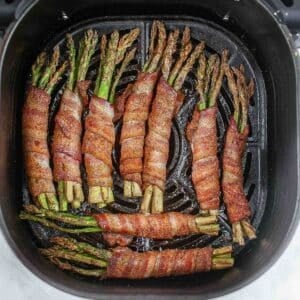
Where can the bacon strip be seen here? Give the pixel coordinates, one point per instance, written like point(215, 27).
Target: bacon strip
point(120, 103)
point(98, 141)
point(126, 263)
point(35, 130)
point(133, 129)
point(232, 183)
point(66, 146)
point(205, 171)
point(115, 239)
point(156, 226)
point(157, 140)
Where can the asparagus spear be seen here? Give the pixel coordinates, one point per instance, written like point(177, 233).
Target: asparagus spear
point(112, 53)
point(82, 253)
point(241, 93)
point(45, 76)
point(153, 195)
point(153, 64)
point(82, 224)
point(71, 191)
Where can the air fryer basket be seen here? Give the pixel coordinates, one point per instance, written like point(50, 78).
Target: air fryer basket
point(271, 171)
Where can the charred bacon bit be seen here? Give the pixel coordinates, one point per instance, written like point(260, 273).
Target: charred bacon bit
point(164, 107)
point(125, 263)
point(238, 208)
point(66, 145)
point(202, 133)
point(157, 226)
point(136, 115)
point(37, 157)
point(99, 137)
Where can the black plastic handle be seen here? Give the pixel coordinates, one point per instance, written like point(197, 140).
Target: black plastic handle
point(288, 11)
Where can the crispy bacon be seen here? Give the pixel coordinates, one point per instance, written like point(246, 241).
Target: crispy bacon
point(35, 130)
point(165, 104)
point(156, 226)
point(120, 102)
point(66, 146)
point(98, 141)
point(205, 171)
point(115, 239)
point(133, 129)
point(232, 183)
point(126, 263)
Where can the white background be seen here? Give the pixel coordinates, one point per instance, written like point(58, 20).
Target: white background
point(282, 281)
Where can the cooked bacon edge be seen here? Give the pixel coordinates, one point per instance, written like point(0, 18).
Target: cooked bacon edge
point(133, 129)
point(205, 169)
point(98, 141)
point(159, 131)
point(232, 183)
point(35, 131)
point(126, 263)
point(156, 226)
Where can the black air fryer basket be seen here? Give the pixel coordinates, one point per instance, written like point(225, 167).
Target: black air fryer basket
point(256, 34)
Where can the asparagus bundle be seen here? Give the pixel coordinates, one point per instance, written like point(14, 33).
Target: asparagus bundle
point(166, 103)
point(99, 135)
point(136, 115)
point(37, 159)
point(66, 145)
point(202, 133)
point(68, 253)
point(156, 226)
point(238, 208)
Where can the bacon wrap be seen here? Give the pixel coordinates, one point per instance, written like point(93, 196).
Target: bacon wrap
point(98, 141)
point(232, 183)
point(115, 239)
point(35, 130)
point(205, 170)
point(133, 129)
point(66, 146)
point(126, 263)
point(120, 102)
point(159, 131)
point(156, 226)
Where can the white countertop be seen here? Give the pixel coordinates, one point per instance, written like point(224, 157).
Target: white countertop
point(280, 282)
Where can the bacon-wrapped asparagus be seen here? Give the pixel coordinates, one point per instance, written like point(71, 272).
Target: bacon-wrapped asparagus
point(164, 107)
point(156, 226)
point(124, 263)
point(136, 115)
point(238, 208)
point(66, 145)
point(202, 133)
point(35, 129)
point(99, 135)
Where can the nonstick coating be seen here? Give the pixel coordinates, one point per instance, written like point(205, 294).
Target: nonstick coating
point(271, 171)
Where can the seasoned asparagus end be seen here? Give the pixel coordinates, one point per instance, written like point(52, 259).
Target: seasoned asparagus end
point(136, 190)
point(153, 35)
point(63, 203)
point(152, 200)
point(95, 195)
point(42, 200)
point(66, 266)
point(248, 229)
point(237, 234)
point(52, 201)
point(206, 220)
point(127, 189)
point(50, 69)
point(146, 203)
point(154, 64)
point(188, 66)
point(59, 252)
point(37, 68)
point(222, 258)
point(56, 78)
point(170, 49)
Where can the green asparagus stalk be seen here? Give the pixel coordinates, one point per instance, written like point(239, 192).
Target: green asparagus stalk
point(103, 45)
point(37, 68)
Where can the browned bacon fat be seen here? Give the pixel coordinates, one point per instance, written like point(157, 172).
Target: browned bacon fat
point(35, 130)
point(133, 129)
point(98, 141)
point(159, 131)
point(232, 183)
point(66, 146)
point(205, 171)
point(115, 239)
point(126, 263)
point(156, 226)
